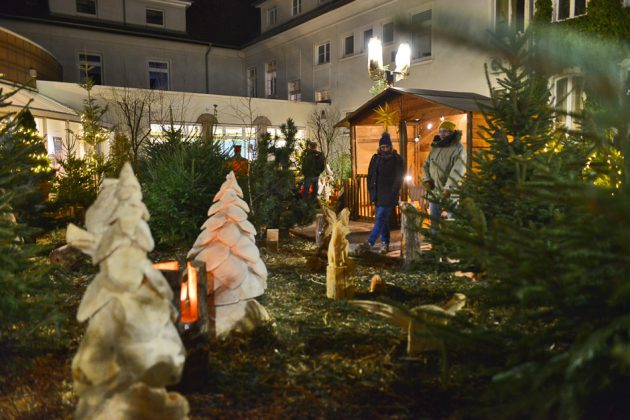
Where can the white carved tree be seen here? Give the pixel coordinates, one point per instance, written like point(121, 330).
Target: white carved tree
point(131, 349)
point(235, 272)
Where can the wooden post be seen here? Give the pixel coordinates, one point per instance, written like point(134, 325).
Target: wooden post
point(320, 225)
point(337, 284)
point(410, 235)
point(273, 236)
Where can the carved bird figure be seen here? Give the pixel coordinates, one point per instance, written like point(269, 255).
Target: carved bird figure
point(414, 321)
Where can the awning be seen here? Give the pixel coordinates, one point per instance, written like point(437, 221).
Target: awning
point(39, 105)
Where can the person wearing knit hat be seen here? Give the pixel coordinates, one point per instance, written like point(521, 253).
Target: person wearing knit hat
point(444, 168)
point(385, 177)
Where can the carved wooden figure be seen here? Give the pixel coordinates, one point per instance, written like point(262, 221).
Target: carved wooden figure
point(338, 282)
point(131, 349)
point(410, 229)
point(416, 322)
point(235, 272)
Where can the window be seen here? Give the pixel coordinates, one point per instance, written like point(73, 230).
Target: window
point(295, 92)
point(322, 95)
point(86, 6)
point(388, 32)
point(348, 45)
point(272, 16)
point(297, 7)
point(90, 65)
point(566, 9)
point(323, 53)
point(421, 35)
point(270, 79)
point(512, 15)
point(158, 75)
point(569, 98)
point(252, 81)
point(367, 35)
point(155, 17)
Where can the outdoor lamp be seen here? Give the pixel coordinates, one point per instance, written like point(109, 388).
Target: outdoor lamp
point(375, 62)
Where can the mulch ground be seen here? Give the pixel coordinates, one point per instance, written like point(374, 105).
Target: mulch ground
point(318, 358)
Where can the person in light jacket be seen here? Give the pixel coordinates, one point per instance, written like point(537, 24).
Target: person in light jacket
point(444, 168)
point(385, 177)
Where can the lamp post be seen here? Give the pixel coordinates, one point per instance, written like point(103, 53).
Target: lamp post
point(378, 72)
point(375, 62)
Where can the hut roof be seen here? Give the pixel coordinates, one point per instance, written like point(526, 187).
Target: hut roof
point(460, 101)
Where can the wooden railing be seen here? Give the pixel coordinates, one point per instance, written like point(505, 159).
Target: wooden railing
point(357, 199)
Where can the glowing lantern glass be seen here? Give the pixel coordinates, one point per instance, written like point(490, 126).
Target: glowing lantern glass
point(188, 297)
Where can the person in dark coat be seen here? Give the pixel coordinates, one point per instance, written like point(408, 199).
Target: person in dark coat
point(313, 164)
point(385, 177)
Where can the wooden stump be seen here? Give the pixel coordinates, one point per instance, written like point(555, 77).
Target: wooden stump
point(273, 236)
point(338, 284)
point(410, 233)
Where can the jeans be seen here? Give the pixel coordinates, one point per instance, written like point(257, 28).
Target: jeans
point(435, 211)
point(308, 182)
point(381, 225)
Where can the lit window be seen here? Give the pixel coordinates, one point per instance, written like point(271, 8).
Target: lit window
point(323, 53)
point(155, 17)
point(272, 16)
point(297, 7)
point(569, 99)
point(388, 33)
point(158, 75)
point(421, 35)
point(86, 6)
point(295, 92)
point(270, 79)
point(90, 65)
point(566, 9)
point(367, 35)
point(348, 45)
point(252, 82)
point(322, 95)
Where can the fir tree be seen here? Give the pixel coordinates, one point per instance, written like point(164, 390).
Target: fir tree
point(553, 250)
point(24, 152)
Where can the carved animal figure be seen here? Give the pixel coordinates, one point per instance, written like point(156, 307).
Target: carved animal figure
point(415, 321)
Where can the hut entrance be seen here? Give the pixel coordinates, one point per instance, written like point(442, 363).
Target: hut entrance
point(412, 117)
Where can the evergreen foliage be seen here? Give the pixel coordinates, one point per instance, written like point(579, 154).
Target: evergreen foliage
point(552, 338)
point(274, 196)
point(81, 176)
point(179, 179)
point(25, 302)
point(24, 154)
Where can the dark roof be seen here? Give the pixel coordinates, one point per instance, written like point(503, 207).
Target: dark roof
point(224, 23)
point(461, 101)
point(298, 20)
point(229, 22)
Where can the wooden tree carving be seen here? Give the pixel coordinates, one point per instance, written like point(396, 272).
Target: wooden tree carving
point(131, 349)
point(235, 272)
point(338, 284)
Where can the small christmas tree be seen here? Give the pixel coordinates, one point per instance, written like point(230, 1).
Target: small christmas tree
point(131, 348)
point(235, 272)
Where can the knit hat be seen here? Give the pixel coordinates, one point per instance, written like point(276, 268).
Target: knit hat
point(385, 139)
point(447, 125)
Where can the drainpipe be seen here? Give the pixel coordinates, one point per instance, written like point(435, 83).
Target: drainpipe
point(124, 12)
point(207, 71)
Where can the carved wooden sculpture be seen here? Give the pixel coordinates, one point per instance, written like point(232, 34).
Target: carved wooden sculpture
point(410, 229)
point(338, 283)
point(131, 349)
point(415, 322)
point(235, 272)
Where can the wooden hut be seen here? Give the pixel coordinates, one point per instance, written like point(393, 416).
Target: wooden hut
point(412, 117)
